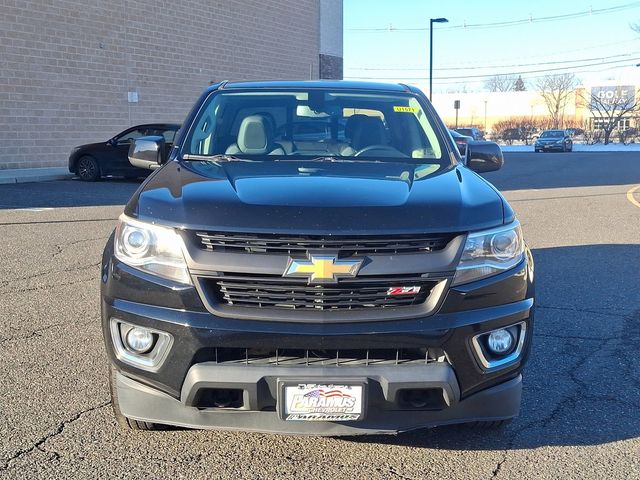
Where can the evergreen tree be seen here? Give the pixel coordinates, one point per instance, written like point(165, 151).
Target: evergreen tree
point(519, 85)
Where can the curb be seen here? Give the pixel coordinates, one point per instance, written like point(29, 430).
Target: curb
point(29, 177)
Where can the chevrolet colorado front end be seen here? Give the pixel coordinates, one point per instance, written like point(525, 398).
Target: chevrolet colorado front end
point(316, 258)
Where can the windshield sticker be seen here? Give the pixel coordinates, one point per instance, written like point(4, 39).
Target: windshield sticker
point(399, 108)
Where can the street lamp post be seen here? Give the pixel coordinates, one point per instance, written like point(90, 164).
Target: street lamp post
point(431, 22)
point(485, 116)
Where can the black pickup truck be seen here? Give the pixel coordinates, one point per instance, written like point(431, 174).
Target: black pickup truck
point(316, 257)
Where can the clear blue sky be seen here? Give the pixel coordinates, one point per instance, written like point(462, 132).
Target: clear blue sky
point(570, 44)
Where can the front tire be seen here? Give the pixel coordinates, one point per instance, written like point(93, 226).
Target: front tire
point(88, 169)
point(127, 423)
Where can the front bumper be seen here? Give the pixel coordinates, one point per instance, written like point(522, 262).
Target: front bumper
point(549, 147)
point(141, 402)
point(470, 392)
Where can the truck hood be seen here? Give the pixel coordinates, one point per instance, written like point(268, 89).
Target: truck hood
point(318, 197)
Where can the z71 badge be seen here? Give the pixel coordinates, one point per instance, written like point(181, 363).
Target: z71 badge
point(403, 290)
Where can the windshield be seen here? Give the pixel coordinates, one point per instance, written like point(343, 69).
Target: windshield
point(552, 134)
point(313, 123)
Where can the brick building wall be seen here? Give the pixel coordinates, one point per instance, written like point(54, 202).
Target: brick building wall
point(66, 66)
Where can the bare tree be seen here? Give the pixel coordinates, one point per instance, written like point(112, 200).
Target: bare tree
point(500, 83)
point(610, 106)
point(556, 91)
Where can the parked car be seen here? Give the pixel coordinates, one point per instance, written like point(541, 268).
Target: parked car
point(550, 140)
point(472, 132)
point(510, 135)
point(574, 132)
point(367, 283)
point(461, 141)
point(95, 160)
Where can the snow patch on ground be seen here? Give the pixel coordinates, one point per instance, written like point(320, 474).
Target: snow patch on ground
point(579, 147)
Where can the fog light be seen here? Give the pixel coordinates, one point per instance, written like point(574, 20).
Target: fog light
point(140, 340)
point(500, 341)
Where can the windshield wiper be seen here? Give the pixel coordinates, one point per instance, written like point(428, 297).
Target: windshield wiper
point(328, 158)
point(221, 157)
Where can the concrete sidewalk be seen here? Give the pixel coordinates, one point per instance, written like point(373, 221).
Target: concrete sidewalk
point(26, 175)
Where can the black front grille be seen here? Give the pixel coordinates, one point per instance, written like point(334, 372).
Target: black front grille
point(289, 357)
point(274, 291)
point(301, 245)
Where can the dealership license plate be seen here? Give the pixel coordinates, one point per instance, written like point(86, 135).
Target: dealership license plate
point(313, 402)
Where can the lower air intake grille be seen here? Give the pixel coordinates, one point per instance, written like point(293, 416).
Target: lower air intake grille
point(327, 358)
point(274, 291)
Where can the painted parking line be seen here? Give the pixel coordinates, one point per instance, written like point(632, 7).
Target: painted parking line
point(630, 196)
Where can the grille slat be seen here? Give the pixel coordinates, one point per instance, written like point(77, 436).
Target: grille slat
point(319, 303)
point(277, 244)
point(300, 296)
point(274, 291)
point(328, 358)
point(276, 280)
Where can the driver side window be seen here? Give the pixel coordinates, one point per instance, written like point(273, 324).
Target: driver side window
point(130, 136)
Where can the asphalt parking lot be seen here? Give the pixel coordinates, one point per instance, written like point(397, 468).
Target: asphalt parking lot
point(581, 410)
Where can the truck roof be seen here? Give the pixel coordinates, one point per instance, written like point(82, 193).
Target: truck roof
point(320, 84)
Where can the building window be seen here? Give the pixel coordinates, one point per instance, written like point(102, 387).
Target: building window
point(600, 123)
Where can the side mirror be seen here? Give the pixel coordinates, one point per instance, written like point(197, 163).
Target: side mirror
point(484, 156)
point(112, 142)
point(148, 152)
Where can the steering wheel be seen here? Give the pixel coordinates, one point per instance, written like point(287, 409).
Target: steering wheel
point(382, 148)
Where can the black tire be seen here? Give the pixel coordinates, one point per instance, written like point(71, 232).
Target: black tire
point(88, 169)
point(125, 422)
point(491, 424)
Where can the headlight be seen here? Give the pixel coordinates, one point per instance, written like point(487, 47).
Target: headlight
point(490, 252)
point(152, 248)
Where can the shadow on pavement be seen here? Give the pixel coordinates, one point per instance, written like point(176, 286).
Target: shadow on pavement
point(525, 170)
point(67, 193)
point(582, 381)
point(521, 171)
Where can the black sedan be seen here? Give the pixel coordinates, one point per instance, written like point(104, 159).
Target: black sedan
point(472, 132)
point(558, 140)
point(461, 141)
point(92, 161)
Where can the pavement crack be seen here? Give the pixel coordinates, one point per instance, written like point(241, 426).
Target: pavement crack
point(48, 222)
point(394, 472)
point(45, 287)
point(4, 283)
point(582, 388)
point(496, 471)
point(77, 269)
point(34, 333)
point(61, 247)
point(7, 463)
point(575, 337)
point(581, 310)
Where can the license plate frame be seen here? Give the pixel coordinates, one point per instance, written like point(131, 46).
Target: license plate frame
point(332, 405)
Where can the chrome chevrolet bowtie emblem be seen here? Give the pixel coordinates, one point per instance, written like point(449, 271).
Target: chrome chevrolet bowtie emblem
point(322, 268)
